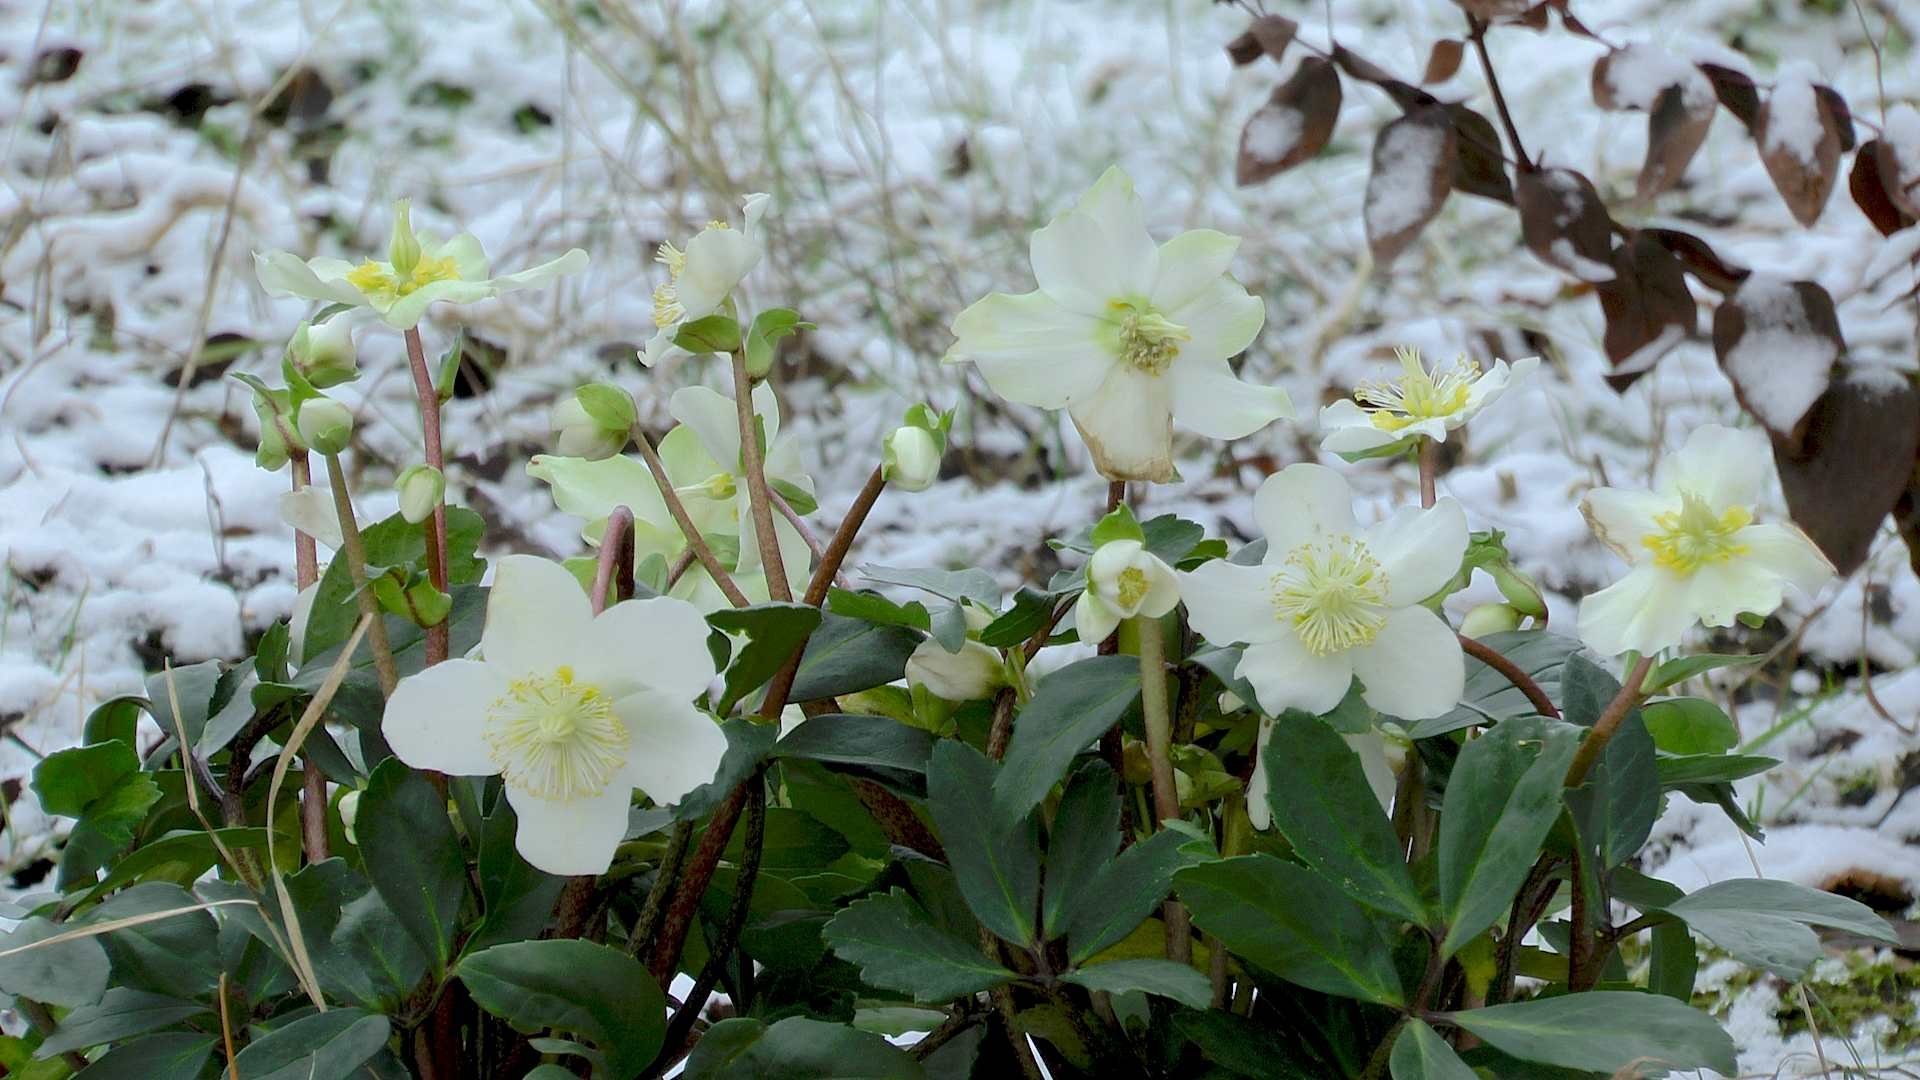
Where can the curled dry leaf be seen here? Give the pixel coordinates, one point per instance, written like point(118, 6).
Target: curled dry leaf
point(1479, 168)
point(1736, 92)
point(1564, 222)
point(1838, 113)
point(1293, 125)
point(1853, 463)
point(1269, 36)
point(1901, 166)
point(1700, 260)
point(1489, 10)
point(1676, 126)
point(1412, 172)
point(1800, 146)
point(1444, 61)
point(1873, 182)
point(1404, 94)
point(1647, 307)
point(1778, 342)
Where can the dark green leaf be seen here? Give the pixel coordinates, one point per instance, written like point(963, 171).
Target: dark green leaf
point(773, 632)
point(1292, 922)
point(768, 327)
point(845, 656)
point(1169, 537)
point(172, 1055)
point(413, 856)
point(1501, 801)
point(1765, 923)
point(516, 899)
point(1604, 1031)
point(1082, 842)
point(575, 987)
point(997, 864)
point(794, 842)
point(1710, 768)
point(115, 720)
point(875, 608)
point(1246, 1048)
point(1689, 726)
point(1673, 962)
point(1421, 1054)
point(955, 585)
point(1615, 807)
point(1180, 982)
point(748, 742)
point(69, 974)
point(167, 956)
point(324, 1046)
point(121, 1013)
point(194, 686)
point(1683, 668)
point(865, 741)
point(101, 785)
point(1030, 611)
point(1125, 892)
point(898, 947)
point(711, 334)
point(1325, 807)
point(1073, 707)
point(796, 1048)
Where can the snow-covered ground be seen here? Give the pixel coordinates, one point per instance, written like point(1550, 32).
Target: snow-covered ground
point(910, 147)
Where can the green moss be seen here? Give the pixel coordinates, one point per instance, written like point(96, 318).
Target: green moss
point(1869, 988)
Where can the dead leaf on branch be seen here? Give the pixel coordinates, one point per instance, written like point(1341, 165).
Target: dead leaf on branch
point(1778, 342)
point(1412, 173)
point(1293, 125)
point(1564, 222)
point(1647, 306)
point(1853, 464)
point(1800, 146)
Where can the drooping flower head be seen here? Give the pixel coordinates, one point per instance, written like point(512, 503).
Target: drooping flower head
point(416, 273)
point(1125, 335)
point(573, 711)
point(1332, 600)
point(1385, 414)
point(1697, 553)
point(702, 276)
point(1124, 580)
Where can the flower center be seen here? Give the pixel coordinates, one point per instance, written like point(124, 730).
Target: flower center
point(1418, 394)
point(718, 487)
point(555, 738)
point(1132, 587)
point(1334, 594)
point(374, 279)
point(1148, 340)
point(1694, 536)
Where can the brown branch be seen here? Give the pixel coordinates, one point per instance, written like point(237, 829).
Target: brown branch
point(753, 462)
point(823, 577)
point(313, 784)
point(1477, 33)
point(356, 553)
point(1487, 655)
point(436, 457)
point(1429, 471)
point(613, 540)
point(723, 945)
point(694, 881)
point(1616, 711)
point(648, 922)
point(695, 542)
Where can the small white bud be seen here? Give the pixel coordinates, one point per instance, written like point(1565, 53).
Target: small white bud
point(403, 248)
point(577, 434)
point(350, 813)
point(325, 424)
point(325, 354)
point(968, 675)
point(421, 488)
point(1490, 619)
point(912, 460)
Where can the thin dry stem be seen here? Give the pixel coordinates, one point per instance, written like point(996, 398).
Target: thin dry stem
point(1616, 711)
point(436, 457)
point(753, 461)
point(695, 542)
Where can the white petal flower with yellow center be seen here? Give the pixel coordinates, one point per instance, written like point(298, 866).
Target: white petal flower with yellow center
point(701, 277)
point(1125, 335)
point(573, 711)
point(1422, 401)
point(1696, 552)
point(417, 273)
point(1124, 580)
point(1333, 601)
point(969, 674)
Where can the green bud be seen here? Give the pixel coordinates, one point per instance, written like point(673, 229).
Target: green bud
point(324, 354)
point(608, 405)
point(325, 424)
point(430, 606)
point(421, 489)
point(577, 434)
point(1489, 619)
point(403, 248)
point(1519, 590)
point(910, 459)
point(275, 428)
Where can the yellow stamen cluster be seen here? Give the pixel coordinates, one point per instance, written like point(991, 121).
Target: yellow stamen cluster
point(1334, 593)
point(666, 295)
point(378, 279)
point(555, 738)
point(1694, 536)
point(1133, 587)
point(1148, 340)
point(1418, 394)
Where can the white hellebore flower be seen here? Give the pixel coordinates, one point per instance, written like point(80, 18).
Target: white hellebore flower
point(1124, 579)
point(701, 277)
point(1333, 600)
point(572, 710)
point(417, 273)
point(1124, 335)
point(1422, 401)
point(1695, 551)
point(968, 675)
point(912, 458)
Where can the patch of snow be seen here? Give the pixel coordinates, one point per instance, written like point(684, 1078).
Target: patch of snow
point(1794, 124)
point(1273, 131)
point(1400, 188)
point(1781, 363)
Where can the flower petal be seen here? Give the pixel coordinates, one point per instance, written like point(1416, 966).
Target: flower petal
point(1286, 676)
point(538, 617)
point(311, 511)
point(1093, 620)
point(574, 836)
point(1210, 400)
point(407, 311)
point(1371, 748)
point(716, 261)
point(1302, 503)
point(592, 489)
point(1228, 603)
point(1786, 551)
point(1189, 263)
point(574, 261)
point(1032, 350)
point(1413, 667)
point(675, 747)
point(469, 258)
point(1128, 426)
point(283, 273)
point(1622, 519)
point(435, 718)
point(659, 643)
point(1259, 810)
point(1645, 611)
point(1725, 466)
point(1223, 319)
point(1420, 550)
point(714, 420)
point(1098, 252)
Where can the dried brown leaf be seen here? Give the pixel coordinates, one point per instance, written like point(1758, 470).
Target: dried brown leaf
point(1274, 33)
point(1699, 259)
point(1403, 93)
point(1853, 463)
point(1647, 306)
point(1479, 167)
point(1244, 49)
point(1412, 172)
point(1564, 222)
point(1293, 125)
point(1873, 167)
point(1674, 133)
point(1444, 61)
point(1600, 81)
point(1778, 342)
point(1736, 92)
point(1804, 175)
point(1837, 112)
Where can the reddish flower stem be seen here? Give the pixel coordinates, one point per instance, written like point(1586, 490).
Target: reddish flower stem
point(436, 457)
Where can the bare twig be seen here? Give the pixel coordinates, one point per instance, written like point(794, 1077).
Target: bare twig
point(1536, 697)
point(753, 463)
point(1616, 711)
point(612, 543)
point(1477, 33)
point(695, 542)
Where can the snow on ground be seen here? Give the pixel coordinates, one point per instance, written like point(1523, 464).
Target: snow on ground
point(910, 147)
